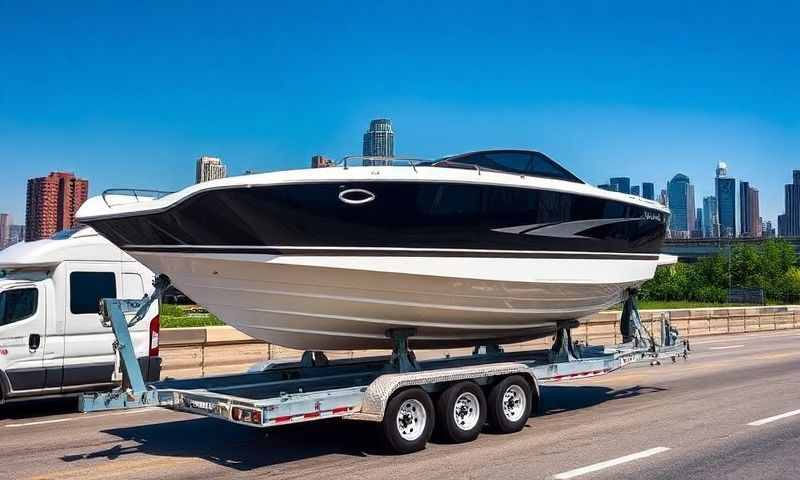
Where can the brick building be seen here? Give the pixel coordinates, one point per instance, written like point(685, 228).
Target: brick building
point(51, 204)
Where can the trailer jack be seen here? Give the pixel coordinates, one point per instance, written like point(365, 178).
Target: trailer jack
point(133, 391)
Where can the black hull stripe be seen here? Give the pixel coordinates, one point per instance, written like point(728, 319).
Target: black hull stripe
point(378, 252)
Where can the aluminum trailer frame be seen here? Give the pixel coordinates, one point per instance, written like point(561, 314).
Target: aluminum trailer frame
point(315, 388)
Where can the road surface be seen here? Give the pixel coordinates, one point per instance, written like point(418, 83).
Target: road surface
point(731, 411)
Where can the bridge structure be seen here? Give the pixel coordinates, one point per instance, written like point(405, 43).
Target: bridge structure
point(691, 250)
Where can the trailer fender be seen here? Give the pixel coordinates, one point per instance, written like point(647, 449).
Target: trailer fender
point(379, 392)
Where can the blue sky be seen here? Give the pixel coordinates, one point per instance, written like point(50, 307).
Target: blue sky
point(129, 95)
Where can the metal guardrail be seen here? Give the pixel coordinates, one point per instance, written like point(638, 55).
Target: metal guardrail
point(195, 351)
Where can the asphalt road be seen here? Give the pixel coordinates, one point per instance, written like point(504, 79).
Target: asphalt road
point(687, 420)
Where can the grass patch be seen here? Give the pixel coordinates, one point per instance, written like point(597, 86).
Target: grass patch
point(180, 316)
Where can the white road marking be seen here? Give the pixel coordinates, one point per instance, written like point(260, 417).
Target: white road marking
point(764, 421)
point(80, 417)
point(725, 347)
point(610, 463)
point(745, 336)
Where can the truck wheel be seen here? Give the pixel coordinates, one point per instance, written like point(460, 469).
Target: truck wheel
point(408, 421)
point(510, 403)
point(461, 412)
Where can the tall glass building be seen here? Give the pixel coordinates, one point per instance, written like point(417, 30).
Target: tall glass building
point(725, 191)
point(623, 184)
point(710, 217)
point(789, 222)
point(680, 193)
point(648, 191)
point(379, 142)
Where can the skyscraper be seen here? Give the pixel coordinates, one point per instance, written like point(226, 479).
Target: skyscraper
point(748, 210)
point(5, 229)
point(379, 142)
point(635, 190)
point(680, 193)
point(648, 191)
point(319, 161)
point(609, 187)
point(710, 217)
point(789, 222)
point(769, 230)
point(697, 228)
point(209, 168)
point(16, 234)
point(725, 191)
point(623, 184)
point(51, 204)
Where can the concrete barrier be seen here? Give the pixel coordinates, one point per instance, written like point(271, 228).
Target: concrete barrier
point(193, 352)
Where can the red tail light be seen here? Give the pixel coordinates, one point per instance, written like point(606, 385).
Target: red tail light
point(155, 327)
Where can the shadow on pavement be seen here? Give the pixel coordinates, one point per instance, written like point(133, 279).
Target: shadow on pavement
point(241, 447)
point(244, 448)
point(558, 399)
point(38, 408)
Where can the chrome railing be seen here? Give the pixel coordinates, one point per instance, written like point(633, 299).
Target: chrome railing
point(136, 195)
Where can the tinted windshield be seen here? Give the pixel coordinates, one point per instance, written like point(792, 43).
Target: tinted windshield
point(17, 304)
point(513, 161)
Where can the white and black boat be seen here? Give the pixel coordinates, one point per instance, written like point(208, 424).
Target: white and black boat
point(486, 247)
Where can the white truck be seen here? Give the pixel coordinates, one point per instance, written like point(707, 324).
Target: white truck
point(52, 342)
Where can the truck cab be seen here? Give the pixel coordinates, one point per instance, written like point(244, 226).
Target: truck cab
point(52, 341)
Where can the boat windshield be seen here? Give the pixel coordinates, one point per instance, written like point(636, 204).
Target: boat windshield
point(523, 162)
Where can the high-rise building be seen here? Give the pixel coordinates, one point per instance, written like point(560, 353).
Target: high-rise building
point(748, 210)
point(635, 190)
point(680, 193)
point(623, 184)
point(51, 204)
point(663, 198)
point(379, 142)
point(319, 161)
point(789, 222)
point(710, 217)
point(725, 191)
point(769, 230)
point(648, 190)
point(5, 229)
point(209, 168)
point(16, 234)
point(609, 187)
point(697, 228)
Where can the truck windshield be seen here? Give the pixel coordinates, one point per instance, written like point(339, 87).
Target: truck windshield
point(17, 304)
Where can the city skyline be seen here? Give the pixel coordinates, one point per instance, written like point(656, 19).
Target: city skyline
point(265, 95)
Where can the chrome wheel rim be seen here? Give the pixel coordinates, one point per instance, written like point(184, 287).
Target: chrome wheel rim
point(466, 411)
point(514, 403)
point(411, 419)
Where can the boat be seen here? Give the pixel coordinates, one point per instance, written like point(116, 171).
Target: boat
point(486, 247)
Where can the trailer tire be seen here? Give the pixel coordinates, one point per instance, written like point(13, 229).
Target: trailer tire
point(461, 412)
point(510, 402)
point(408, 421)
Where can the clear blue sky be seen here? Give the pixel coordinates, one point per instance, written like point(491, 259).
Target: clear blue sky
point(130, 94)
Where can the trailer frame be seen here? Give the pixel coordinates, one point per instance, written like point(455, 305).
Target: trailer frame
point(315, 388)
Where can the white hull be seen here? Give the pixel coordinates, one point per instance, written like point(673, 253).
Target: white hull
point(344, 302)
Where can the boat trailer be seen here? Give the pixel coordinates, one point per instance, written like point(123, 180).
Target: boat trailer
point(315, 387)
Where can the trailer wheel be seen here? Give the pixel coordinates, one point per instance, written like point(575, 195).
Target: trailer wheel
point(461, 412)
point(510, 403)
point(408, 421)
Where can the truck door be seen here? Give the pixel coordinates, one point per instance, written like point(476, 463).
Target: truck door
point(88, 352)
point(22, 337)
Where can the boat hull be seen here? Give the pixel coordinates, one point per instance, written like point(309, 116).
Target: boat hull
point(343, 302)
